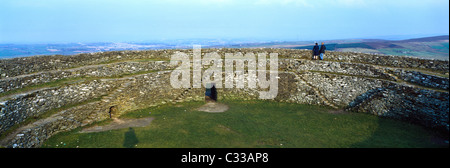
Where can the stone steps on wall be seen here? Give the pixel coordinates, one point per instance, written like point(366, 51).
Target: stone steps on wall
point(180, 97)
point(397, 79)
point(322, 97)
point(385, 71)
point(35, 133)
point(364, 98)
point(121, 88)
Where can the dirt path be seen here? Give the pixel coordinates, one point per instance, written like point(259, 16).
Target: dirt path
point(119, 124)
point(213, 107)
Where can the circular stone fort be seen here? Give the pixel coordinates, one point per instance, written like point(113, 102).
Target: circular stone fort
point(41, 96)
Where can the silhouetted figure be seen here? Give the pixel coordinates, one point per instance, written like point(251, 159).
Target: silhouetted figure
point(315, 51)
point(322, 51)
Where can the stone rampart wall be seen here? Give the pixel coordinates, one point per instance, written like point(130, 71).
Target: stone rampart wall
point(351, 81)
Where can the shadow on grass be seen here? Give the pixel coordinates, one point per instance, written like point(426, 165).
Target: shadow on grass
point(398, 134)
point(130, 140)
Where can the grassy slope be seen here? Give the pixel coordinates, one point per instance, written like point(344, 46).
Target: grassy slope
point(252, 124)
point(438, 50)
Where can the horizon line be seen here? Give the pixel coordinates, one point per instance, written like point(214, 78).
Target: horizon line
point(249, 40)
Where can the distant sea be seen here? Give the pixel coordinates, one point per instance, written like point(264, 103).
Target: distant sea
point(25, 50)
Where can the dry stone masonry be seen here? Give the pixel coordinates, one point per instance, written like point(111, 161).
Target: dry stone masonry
point(44, 95)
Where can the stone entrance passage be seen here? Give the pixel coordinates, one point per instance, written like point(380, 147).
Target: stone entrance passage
point(210, 92)
point(211, 105)
point(119, 124)
point(112, 111)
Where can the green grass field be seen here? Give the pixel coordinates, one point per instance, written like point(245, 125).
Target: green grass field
point(251, 124)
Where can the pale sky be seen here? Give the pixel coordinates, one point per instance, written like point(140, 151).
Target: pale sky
point(23, 21)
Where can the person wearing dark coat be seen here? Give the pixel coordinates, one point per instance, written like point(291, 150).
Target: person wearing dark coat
point(316, 51)
point(322, 51)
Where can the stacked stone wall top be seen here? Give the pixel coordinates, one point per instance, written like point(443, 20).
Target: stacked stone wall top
point(27, 65)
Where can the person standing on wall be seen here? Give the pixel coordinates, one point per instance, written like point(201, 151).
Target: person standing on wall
point(315, 51)
point(322, 51)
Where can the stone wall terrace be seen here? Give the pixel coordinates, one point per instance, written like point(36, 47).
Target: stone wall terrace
point(402, 88)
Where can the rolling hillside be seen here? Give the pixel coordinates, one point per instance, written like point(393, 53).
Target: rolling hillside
point(430, 47)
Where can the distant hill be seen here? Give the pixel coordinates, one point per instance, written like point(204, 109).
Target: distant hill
point(436, 47)
point(428, 39)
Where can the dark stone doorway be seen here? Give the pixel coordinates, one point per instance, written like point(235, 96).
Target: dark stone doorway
point(210, 92)
point(112, 111)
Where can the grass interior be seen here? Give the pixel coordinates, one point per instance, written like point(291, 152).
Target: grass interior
point(252, 124)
